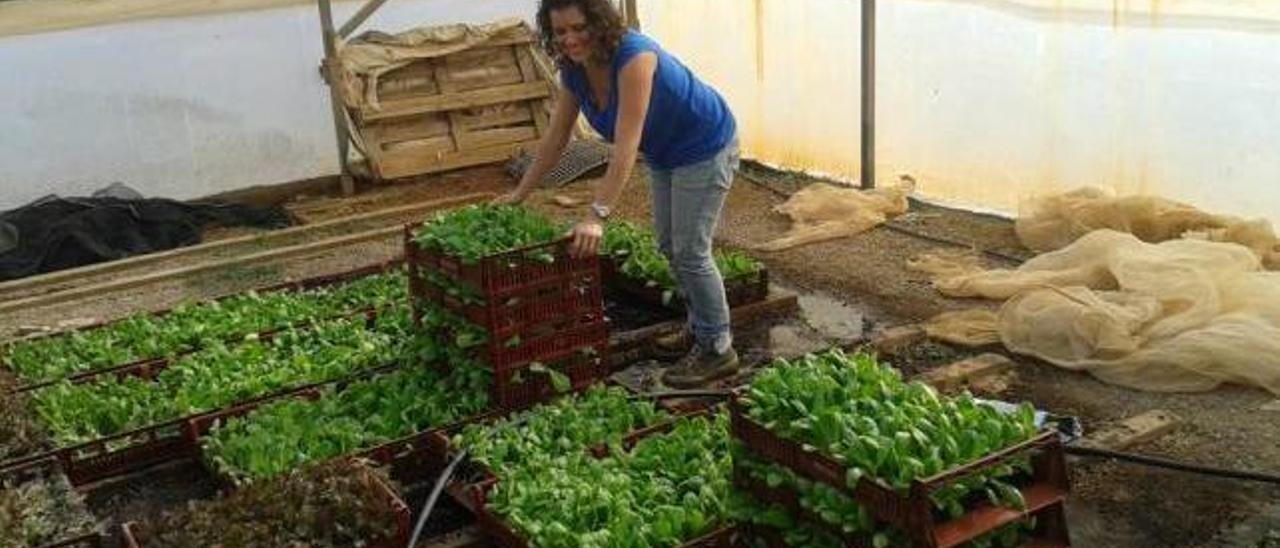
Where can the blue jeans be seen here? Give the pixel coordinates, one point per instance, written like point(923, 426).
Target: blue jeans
point(686, 209)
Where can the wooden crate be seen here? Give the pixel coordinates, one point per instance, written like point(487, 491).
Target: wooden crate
point(477, 105)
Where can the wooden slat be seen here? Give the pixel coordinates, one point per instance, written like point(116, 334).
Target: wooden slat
point(444, 79)
point(429, 146)
point(516, 114)
point(524, 60)
point(415, 80)
point(407, 129)
point(454, 101)
point(537, 109)
point(399, 164)
point(482, 68)
point(499, 136)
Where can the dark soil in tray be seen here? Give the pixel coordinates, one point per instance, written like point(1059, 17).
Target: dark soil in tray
point(626, 314)
point(150, 492)
point(447, 516)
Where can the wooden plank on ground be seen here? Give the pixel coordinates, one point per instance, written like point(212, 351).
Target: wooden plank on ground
point(966, 372)
point(895, 339)
point(454, 101)
point(1132, 431)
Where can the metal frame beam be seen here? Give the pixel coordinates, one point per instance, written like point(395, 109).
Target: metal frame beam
point(868, 63)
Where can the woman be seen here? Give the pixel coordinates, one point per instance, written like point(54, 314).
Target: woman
point(642, 99)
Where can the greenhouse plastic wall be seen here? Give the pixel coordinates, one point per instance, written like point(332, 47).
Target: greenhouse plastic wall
point(988, 102)
point(181, 106)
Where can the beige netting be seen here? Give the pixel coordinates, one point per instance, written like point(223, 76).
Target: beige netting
point(1054, 222)
point(364, 60)
point(823, 212)
point(1182, 315)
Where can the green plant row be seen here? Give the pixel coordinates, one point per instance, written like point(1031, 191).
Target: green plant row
point(565, 427)
point(862, 414)
point(281, 436)
point(194, 325)
point(221, 375)
point(668, 489)
point(474, 232)
point(643, 262)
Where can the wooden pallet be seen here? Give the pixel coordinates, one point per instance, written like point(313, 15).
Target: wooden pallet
point(477, 106)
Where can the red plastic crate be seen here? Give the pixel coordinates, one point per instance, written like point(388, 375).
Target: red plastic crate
point(142, 448)
point(501, 274)
point(550, 343)
point(629, 441)
point(548, 301)
point(791, 502)
point(410, 457)
point(395, 505)
point(913, 512)
point(1051, 519)
point(583, 371)
point(124, 453)
point(519, 295)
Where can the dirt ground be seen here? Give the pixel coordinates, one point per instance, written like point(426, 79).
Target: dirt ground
point(849, 287)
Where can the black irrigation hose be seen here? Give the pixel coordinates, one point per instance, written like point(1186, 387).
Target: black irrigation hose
point(435, 495)
point(947, 241)
point(1171, 464)
point(901, 228)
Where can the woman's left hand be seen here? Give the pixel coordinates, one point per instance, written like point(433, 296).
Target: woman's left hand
point(586, 238)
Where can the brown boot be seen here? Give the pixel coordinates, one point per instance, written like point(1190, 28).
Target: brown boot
point(672, 346)
point(698, 368)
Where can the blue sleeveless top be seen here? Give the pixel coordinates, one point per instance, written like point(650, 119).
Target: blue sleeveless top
point(688, 121)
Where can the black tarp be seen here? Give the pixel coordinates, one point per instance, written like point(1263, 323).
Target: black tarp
point(55, 233)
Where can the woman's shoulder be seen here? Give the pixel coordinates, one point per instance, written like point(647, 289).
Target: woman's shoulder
point(634, 42)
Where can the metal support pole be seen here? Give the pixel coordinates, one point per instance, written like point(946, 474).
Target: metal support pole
point(339, 115)
point(868, 94)
point(631, 13)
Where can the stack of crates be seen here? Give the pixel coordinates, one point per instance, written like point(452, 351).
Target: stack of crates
point(542, 310)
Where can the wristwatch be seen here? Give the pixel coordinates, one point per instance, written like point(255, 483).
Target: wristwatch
point(600, 211)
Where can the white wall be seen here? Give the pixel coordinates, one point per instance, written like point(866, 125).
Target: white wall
point(183, 107)
point(987, 102)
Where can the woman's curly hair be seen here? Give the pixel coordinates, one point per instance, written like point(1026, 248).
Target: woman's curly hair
point(603, 20)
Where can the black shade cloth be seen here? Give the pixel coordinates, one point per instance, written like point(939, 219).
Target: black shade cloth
point(55, 233)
